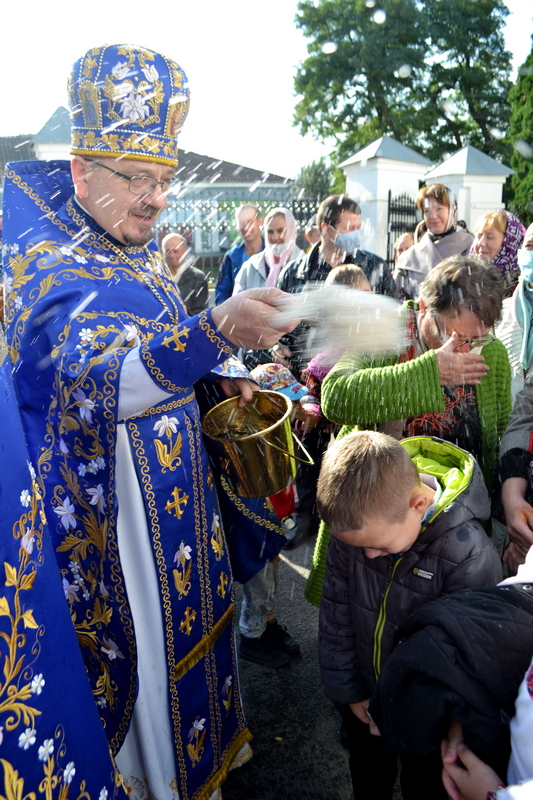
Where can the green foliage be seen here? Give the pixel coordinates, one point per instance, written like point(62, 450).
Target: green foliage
point(315, 179)
point(521, 137)
point(434, 75)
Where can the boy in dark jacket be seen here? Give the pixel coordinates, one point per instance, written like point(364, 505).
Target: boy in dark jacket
point(405, 518)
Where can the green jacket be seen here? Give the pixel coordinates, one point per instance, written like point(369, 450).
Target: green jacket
point(361, 394)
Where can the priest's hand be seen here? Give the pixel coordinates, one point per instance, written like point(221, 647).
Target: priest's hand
point(234, 386)
point(248, 319)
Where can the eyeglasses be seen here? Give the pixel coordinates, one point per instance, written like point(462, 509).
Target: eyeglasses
point(473, 343)
point(140, 184)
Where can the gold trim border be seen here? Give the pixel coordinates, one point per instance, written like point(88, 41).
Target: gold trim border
point(199, 650)
point(123, 154)
point(217, 780)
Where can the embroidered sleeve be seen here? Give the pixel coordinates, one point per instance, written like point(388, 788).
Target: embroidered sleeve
point(185, 352)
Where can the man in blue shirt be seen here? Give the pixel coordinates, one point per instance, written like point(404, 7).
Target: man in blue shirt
point(249, 221)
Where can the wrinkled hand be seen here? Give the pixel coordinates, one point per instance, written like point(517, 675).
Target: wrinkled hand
point(464, 775)
point(518, 515)
point(456, 368)
point(248, 319)
point(234, 386)
point(513, 557)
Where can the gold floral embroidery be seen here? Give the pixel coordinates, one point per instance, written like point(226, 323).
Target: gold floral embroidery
point(168, 457)
point(195, 748)
point(217, 541)
point(182, 573)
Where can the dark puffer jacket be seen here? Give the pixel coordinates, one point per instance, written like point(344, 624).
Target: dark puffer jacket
point(463, 657)
point(365, 600)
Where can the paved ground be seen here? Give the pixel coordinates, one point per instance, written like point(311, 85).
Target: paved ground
point(297, 753)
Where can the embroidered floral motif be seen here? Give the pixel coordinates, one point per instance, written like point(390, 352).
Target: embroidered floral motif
point(195, 747)
point(182, 574)
point(217, 541)
point(168, 456)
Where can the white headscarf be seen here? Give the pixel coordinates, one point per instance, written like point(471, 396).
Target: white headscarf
point(291, 232)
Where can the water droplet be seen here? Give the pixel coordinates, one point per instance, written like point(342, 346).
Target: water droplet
point(404, 71)
point(524, 148)
point(497, 133)
point(370, 3)
point(328, 48)
point(379, 16)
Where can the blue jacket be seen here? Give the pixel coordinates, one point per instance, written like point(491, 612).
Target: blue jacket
point(231, 264)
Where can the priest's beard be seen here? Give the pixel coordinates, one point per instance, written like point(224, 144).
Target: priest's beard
point(142, 237)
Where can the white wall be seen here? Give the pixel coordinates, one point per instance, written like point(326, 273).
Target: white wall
point(369, 183)
point(52, 152)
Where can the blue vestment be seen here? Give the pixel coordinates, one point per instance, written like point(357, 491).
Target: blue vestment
point(51, 737)
point(77, 304)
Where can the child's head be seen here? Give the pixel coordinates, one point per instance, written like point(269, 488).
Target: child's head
point(370, 495)
point(349, 275)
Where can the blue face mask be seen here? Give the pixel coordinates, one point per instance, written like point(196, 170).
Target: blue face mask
point(525, 262)
point(349, 242)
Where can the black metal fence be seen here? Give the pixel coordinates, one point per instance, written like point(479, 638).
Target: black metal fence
point(208, 221)
point(403, 217)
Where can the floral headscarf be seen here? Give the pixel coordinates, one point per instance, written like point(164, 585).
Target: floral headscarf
point(505, 258)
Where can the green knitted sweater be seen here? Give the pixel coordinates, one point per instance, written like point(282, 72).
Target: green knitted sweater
point(360, 395)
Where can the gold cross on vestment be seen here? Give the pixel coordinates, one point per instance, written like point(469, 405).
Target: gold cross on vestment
point(175, 338)
point(223, 582)
point(177, 502)
point(187, 621)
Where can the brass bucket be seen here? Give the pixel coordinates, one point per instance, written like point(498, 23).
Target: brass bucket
point(254, 445)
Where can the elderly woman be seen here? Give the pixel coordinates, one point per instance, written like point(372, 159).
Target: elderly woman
point(263, 268)
point(516, 329)
point(498, 237)
point(453, 380)
point(443, 238)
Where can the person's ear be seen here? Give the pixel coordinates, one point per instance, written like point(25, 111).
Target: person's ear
point(80, 171)
point(419, 502)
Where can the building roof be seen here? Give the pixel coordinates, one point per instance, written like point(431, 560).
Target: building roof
point(469, 161)
point(15, 148)
point(192, 166)
point(386, 147)
point(210, 170)
point(56, 130)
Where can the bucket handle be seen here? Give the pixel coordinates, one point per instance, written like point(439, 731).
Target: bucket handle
point(298, 442)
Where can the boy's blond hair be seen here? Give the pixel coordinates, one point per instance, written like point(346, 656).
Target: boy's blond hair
point(365, 476)
point(349, 275)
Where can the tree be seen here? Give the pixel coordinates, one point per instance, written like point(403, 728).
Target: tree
point(521, 137)
point(433, 75)
point(315, 179)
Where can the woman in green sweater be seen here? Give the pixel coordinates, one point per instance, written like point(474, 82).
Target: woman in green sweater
point(453, 380)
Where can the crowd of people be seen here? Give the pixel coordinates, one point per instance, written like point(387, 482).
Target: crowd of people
point(122, 536)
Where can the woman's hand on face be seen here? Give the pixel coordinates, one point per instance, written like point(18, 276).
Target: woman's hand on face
point(459, 368)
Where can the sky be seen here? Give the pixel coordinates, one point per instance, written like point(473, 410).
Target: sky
point(240, 57)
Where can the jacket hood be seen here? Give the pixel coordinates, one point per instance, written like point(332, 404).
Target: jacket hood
point(464, 494)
